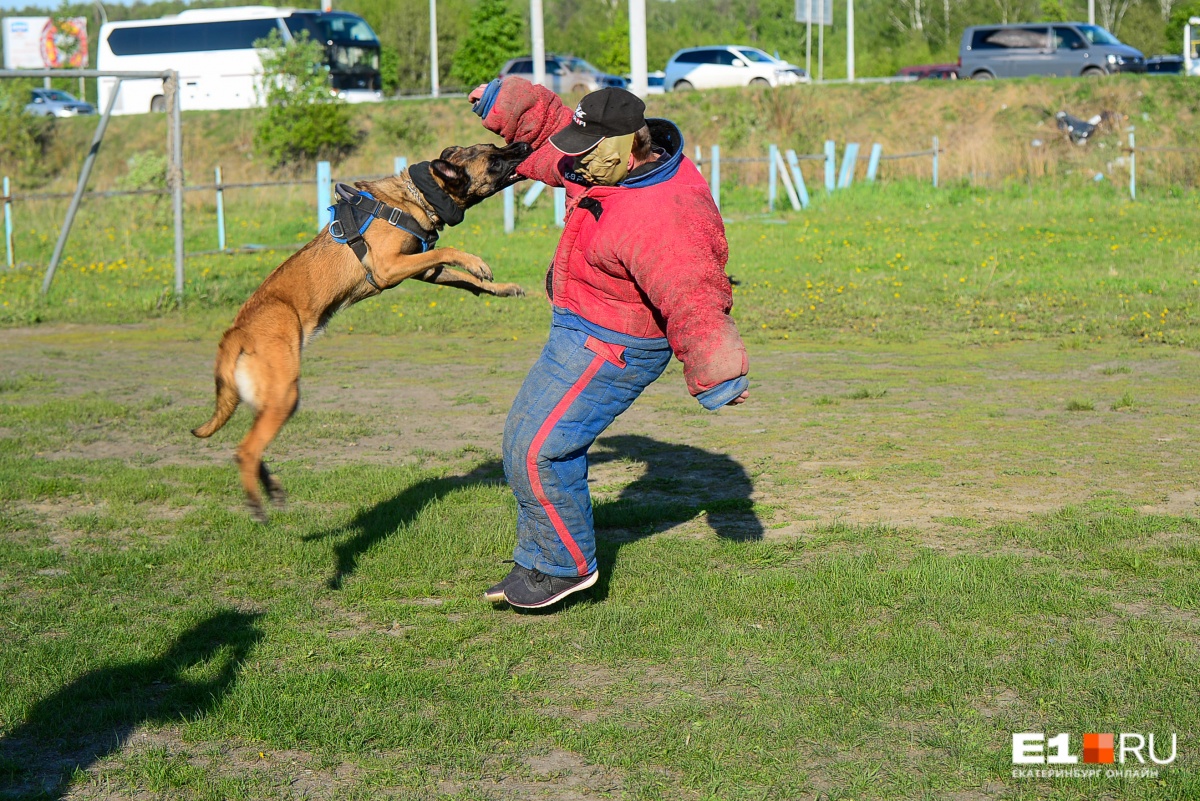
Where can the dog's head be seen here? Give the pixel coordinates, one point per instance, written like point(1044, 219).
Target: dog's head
point(471, 174)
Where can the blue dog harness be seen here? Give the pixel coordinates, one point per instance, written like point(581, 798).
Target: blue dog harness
point(354, 211)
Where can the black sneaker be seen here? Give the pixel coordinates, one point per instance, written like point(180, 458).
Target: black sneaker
point(532, 589)
point(495, 593)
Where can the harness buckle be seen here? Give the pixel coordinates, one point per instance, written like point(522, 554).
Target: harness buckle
point(336, 230)
point(394, 217)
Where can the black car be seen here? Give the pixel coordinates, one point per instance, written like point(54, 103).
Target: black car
point(1165, 65)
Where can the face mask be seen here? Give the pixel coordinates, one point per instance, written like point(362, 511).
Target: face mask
point(607, 163)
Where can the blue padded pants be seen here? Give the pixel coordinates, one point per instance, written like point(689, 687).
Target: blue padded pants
point(575, 390)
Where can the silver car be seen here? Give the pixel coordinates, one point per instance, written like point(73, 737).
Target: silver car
point(565, 74)
point(56, 103)
point(1058, 48)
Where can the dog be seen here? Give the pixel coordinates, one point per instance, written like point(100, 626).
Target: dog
point(381, 234)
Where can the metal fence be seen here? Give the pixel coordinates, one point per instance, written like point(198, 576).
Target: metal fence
point(783, 167)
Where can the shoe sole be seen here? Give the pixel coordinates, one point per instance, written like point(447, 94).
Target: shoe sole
point(583, 585)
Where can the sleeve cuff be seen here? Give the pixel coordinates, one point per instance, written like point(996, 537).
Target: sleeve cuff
point(484, 106)
point(723, 393)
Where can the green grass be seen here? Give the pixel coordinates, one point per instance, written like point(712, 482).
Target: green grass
point(904, 549)
point(890, 264)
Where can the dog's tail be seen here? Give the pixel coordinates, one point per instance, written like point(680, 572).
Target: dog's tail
point(228, 351)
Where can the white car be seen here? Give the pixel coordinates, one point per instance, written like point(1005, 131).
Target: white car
point(728, 65)
point(654, 81)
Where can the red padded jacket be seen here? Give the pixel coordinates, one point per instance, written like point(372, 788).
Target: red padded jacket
point(645, 258)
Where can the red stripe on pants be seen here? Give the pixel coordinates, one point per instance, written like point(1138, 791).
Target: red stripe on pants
point(535, 480)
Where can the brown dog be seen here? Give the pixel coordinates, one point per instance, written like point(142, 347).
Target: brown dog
point(258, 360)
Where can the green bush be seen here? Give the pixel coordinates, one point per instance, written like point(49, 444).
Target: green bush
point(304, 120)
point(24, 138)
point(147, 170)
point(496, 35)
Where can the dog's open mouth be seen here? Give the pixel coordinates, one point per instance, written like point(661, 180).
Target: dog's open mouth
point(519, 152)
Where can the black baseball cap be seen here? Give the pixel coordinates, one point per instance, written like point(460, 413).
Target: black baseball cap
point(601, 114)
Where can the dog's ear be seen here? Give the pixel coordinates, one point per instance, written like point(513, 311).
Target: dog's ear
point(450, 151)
point(451, 175)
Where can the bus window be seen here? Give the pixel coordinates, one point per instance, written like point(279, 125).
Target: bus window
point(332, 28)
point(228, 35)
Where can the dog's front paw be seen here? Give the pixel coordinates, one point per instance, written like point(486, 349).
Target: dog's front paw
point(476, 267)
point(507, 290)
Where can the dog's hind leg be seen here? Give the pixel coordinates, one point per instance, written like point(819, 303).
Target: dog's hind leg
point(271, 484)
point(277, 389)
point(267, 423)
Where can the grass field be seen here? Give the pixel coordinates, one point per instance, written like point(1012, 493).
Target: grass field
point(960, 504)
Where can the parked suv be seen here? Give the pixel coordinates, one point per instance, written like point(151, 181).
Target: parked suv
point(1061, 48)
point(565, 74)
point(727, 65)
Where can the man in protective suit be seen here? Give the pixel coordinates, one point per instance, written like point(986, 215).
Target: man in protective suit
point(639, 275)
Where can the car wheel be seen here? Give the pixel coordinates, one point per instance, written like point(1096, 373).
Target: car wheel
point(158, 104)
point(760, 82)
point(1093, 72)
point(682, 86)
point(982, 75)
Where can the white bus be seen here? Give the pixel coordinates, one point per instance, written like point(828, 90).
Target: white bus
point(213, 51)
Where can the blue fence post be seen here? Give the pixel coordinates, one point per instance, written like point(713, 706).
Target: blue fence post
point(849, 161)
point(1133, 170)
point(935, 165)
point(772, 176)
point(560, 206)
point(532, 194)
point(830, 167)
point(873, 163)
point(400, 165)
point(220, 212)
point(510, 209)
point(8, 226)
point(798, 178)
point(324, 192)
point(716, 175)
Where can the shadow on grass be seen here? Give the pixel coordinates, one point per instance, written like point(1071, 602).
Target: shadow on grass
point(680, 482)
point(385, 519)
point(94, 715)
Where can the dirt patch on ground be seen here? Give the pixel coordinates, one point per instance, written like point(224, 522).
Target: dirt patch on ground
point(994, 444)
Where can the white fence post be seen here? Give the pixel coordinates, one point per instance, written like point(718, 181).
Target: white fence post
point(8, 225)
point(849, 161)
point(716, 175)
point(798, 178)
point(935, 162)
point(510, 209)
point(787, 181)
point(873, 163)
point(324, 192)
point(220, 211)
point(532, 194)
point(830, 166)
point(772, 176)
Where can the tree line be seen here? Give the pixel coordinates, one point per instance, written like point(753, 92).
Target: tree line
point(475, 37)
